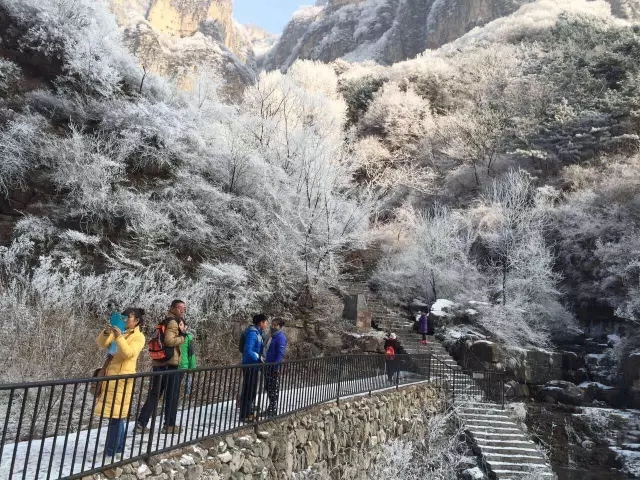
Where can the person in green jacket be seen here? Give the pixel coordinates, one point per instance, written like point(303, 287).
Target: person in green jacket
point(187, 357)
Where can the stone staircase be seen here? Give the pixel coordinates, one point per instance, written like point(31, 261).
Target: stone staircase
point(506, 450)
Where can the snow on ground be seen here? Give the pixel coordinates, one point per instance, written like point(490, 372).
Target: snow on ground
point(56, 457)
point(613, 338)
point(630, 461)
point(440, 306)
point(595, 384)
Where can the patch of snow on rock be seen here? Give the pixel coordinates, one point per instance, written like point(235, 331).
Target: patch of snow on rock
point(440, 305)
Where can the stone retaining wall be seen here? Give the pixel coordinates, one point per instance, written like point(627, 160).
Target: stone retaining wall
point(328, 441)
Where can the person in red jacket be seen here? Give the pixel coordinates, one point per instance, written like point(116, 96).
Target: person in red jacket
point(393, 348)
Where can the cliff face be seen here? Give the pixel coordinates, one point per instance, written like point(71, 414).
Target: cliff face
point(178, 38)
point(390, 31)
point(387, 31)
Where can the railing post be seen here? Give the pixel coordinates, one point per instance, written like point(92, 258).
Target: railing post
point(398, 374)
point(339, 380)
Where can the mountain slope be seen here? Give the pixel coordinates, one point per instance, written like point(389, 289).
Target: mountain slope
point(389, 31)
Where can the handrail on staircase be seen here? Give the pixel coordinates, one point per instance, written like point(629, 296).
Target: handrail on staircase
point(467, 384)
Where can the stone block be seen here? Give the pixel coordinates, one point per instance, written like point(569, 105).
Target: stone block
point(352, 305)
point(487, 352)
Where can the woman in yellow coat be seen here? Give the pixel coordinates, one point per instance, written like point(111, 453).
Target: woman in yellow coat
point(114, 401)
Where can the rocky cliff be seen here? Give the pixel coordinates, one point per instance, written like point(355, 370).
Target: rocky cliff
point(179, 38)
point(390, 31)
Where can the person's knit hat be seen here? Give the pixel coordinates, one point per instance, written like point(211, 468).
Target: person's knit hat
point(392, 336)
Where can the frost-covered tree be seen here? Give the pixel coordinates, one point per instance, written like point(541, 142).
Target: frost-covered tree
point(149, 193)
point(432, 259)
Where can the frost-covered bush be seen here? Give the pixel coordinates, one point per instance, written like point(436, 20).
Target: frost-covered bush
point(433, 259)
point(10, 76)
point(495, 253)
point(401, 118)
point(79, 35)
point(597, 230)
point(359, 93)
point(438, 456)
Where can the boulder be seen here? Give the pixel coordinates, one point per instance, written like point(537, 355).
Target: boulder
point(372, 342)
point(537, 366)
point(564, 392)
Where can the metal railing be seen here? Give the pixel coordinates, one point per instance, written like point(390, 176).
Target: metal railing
point(58, 429)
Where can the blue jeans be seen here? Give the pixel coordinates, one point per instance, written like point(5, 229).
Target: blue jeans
point(115, 437)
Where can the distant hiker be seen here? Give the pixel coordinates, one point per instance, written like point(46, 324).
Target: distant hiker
point(423, 327)
point(164, 349)
point(114, 397)
point(251, 355)
point(431, 323)
point(187, 357)
point(276, 349)
point(392, 348)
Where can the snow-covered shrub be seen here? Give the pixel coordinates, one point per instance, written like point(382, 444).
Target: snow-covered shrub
point(495, 253)
point(80, 34)
point(596, 229)
point(20, 138)
point(438, 456)
point(359, 93)
point(401, 118)
point(10, 76)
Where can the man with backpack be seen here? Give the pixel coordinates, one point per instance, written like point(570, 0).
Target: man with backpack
point(277, 346)
point(251, 347)
point(164, 350)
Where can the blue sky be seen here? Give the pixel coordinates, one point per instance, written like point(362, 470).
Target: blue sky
point(272, 15)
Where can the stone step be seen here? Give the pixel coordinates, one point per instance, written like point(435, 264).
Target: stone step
point(488, 422)
point(499, 415)
point(508, 450)
point(503, 474)
point(501, 439)
point(520, 441)
point(493, 458)
point(517, 467)
point(492, 429)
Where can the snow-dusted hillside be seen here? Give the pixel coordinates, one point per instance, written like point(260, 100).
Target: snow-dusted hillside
point(390, 31)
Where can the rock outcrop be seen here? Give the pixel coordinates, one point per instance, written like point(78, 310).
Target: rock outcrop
point(181, 39)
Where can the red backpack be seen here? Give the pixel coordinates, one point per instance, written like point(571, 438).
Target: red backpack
point(390, 353)
point(158, 351)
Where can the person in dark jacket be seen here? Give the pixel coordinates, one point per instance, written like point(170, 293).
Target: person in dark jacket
point(391, 356)
point(275, 355)
point(251, 355)
point(423, 327)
